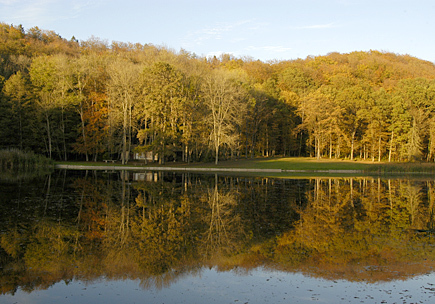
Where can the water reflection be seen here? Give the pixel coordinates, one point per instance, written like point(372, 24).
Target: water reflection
point(157, 227)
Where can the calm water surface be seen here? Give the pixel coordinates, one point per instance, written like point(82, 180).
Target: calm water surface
point(153, 237)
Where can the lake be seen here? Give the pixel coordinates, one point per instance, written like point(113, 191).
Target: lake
point(166, 237)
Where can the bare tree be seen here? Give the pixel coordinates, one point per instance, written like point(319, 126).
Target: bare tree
point(223, 99)
point(121, 90)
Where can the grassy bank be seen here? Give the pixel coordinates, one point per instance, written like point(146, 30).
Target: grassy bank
point(312, 164)
point(289, 165)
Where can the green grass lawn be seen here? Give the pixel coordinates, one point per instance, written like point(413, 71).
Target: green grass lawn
point(297, 163)
point(293, 163)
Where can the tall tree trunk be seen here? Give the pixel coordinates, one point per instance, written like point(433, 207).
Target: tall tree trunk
point(330, 146)
point(300, 143)
point(20, 126)
point(352, 147)
point(63, 135)
point(83, 132)
point(391, 146)
point(379, 148)
point(129, 132)
point(317, 147)
point(217, 151)
point(124, 140)
point(48, 134)
point(252, 145)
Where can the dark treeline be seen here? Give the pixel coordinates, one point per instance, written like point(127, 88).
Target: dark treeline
point(91, 100)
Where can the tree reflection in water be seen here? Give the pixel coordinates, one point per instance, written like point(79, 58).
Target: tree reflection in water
point(158, 227)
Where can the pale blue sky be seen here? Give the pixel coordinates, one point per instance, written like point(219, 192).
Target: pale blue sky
point(265, 30)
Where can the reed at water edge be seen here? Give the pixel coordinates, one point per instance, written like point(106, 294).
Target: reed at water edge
point(17, 160)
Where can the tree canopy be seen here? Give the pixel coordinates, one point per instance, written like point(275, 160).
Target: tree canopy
point(93, 100)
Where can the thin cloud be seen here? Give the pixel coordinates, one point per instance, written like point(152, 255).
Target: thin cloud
point(217, 32)
point(9, 2)
point(26, 11)
point(78, 7)
point(40, 12)
point(315, 26)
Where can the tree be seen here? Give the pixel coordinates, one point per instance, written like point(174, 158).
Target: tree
point(376, 115)
point(82, 70)
point(12, 46)
point(351, 100)
point(89, 87)
point(65, 100)
point(123, 77)
point(223, 98)
point(95, 126)
point(293, 80)
point(258, 113)
point(414, 104)
point(162, 108)
point(17, 90)
point(42, 75)
point(319, 118)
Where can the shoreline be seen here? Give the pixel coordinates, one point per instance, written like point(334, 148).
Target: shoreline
point(120, 168)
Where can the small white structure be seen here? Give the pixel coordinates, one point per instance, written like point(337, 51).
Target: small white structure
point(148, 156)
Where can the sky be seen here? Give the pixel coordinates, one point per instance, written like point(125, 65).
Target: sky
point(264, 30)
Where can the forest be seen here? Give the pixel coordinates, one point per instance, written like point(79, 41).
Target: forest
point(91, 100)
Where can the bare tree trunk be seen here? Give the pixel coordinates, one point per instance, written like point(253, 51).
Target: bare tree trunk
point(319, 149)
point(48, 134)
point(83, 132)
point(379, 148)
point(330, 146)
point(391, 146)
point(124, 139)
point(216, 151)
point(352, 145)
point(63, 135)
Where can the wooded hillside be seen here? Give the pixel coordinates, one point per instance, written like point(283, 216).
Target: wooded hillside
point(92, 100)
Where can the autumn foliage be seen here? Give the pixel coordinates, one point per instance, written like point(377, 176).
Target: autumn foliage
point(92, 100)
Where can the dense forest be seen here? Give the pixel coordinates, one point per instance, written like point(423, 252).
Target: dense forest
point(91, 100)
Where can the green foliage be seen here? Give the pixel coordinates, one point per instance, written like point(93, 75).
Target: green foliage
point(83, 100)
point(163, 108)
